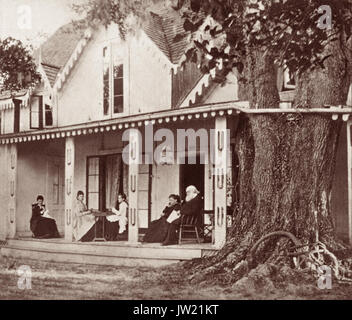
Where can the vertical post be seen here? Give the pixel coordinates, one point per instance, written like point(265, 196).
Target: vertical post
point(3, 193)
point(12, 180)
point(16, 115)
point(134, 160)
point(208, 186)
point(221, 149)
point(69, 178)
point(349, 179)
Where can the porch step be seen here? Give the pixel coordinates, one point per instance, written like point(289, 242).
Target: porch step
point(103, 253)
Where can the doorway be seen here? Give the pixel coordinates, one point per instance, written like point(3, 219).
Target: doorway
point(192, 173)
point(106, 178)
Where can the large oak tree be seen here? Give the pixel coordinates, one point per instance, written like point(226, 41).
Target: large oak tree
point(286, 161)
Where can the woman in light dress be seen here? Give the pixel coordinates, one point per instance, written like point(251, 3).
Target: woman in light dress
point(83, 220)
point(117, 222)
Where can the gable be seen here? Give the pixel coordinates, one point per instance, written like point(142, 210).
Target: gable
point(162, 28)
point(51, 73)
point(56, 52)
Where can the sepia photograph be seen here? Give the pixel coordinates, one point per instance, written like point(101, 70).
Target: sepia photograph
point(175, 154)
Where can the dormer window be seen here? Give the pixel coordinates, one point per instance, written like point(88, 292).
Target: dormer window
point(118, 87)
point(289, 80)
point(16, 116)
point(106, 80)
point(48, 116)
point(41, 115)
point(36, 113)
point(112, 80)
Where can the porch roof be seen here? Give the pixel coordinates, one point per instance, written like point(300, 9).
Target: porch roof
point(167, 116)
point(6, 101)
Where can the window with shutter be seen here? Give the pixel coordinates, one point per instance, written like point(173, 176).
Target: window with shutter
point(106, 80)
point(289, 80)
point(113, 101)
point(36, 113)
point(48, 116)
point(17, 106)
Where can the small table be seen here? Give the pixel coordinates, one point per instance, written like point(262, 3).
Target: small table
point(100, 215)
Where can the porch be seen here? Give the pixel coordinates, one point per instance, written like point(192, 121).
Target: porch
point(115, 253)
point(92, 160)
point(74, 151)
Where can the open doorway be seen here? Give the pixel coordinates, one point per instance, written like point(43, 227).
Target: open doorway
point(191, 173)
point(106, 178)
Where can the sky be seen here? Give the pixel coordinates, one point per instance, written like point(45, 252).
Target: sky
point(34, 20)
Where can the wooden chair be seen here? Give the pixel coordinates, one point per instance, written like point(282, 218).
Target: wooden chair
point(189, 225)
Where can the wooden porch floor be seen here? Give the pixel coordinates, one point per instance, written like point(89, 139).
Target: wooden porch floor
point(186, 244)
point(118, 253)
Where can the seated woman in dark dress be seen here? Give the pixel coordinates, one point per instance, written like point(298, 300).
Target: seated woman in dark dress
point(158, 228)
point(41, 224)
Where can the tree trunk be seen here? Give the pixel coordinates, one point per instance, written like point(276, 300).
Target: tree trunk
point(286, 164)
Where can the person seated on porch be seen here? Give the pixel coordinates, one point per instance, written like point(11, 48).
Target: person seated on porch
point(83, 220)
point(116, 224)
point(158, 228)
point(42, 224)
point(192, 205)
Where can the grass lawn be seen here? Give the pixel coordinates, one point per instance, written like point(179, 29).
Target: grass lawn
point(78, 281)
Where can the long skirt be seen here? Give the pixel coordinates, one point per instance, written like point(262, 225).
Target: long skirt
point(111, 230)
point(46, 228)
point(157, 231)
point(95, 231)
point(171, 234)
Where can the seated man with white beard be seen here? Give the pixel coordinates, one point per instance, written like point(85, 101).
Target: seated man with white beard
point(192, 205)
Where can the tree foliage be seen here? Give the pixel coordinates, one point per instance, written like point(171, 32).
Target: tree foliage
point(119, 12)
point(288, 29)
point(17, 67)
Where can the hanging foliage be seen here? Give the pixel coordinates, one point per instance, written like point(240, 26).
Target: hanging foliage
point(17, 67)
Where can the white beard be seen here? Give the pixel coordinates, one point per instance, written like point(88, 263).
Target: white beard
point(191, 197)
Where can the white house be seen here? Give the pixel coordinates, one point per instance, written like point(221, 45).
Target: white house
point(67, 135)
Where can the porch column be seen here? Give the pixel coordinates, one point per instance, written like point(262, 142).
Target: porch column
point(12, 180)
point(4, 194)
point(134, 160)
point(349, 178)
point(220, 167)
point(69, 177)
